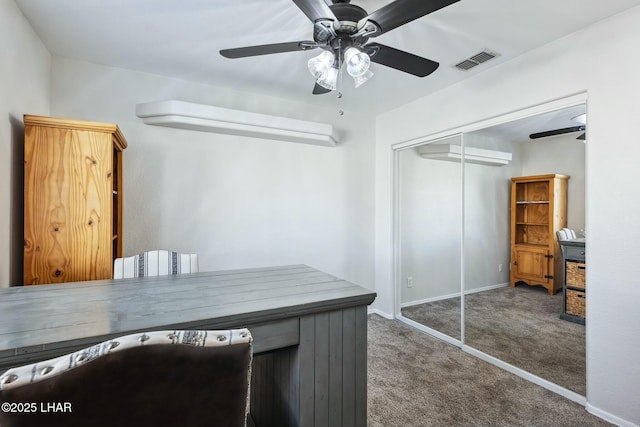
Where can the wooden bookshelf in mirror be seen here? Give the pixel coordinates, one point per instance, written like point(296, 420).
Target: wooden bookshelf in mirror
point(538, 210)
point(72, 199)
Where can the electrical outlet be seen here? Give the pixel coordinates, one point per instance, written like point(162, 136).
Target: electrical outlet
point(500, 268)
point(409, 282)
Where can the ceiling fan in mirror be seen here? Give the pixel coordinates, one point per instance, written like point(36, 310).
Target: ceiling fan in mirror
point(342, 30)
point(581, 119)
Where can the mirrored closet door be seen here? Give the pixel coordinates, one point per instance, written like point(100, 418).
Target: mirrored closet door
point(517, 319)
point(430, 217)
point(455, 248)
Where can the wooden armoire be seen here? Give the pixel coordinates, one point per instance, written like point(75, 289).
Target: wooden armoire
point(72, 199)
point(538, 210)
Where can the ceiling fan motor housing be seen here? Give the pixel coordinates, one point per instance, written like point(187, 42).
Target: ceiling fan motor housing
point(348, 12)
point(340, 36)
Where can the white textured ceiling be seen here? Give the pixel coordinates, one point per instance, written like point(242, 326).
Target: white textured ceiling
point(182, 39)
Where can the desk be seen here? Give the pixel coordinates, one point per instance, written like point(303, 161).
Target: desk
point(309, 329)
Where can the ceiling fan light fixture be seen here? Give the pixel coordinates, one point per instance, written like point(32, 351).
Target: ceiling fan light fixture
point(357, 62)
point(359, 80)
point(330, 79)
point(321, 64)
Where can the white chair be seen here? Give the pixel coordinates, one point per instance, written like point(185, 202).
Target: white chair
point(155, 263)
point(566, 234)
point(159, 378)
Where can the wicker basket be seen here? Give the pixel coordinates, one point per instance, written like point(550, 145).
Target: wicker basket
point(576, 302)
point(576, 274)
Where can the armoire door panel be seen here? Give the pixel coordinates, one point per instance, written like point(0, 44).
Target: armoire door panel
point(69, 207)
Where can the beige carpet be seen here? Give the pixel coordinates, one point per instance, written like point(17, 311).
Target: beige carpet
point(417, 380)
point(520, 326)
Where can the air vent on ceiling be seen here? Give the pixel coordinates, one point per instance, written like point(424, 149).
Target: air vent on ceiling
point(466, 64)
point(475, 60)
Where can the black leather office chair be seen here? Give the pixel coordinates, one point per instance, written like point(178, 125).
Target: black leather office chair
point(162, 378)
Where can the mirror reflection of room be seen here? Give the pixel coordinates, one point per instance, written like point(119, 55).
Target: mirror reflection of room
point(517, 307)
point(430, 236)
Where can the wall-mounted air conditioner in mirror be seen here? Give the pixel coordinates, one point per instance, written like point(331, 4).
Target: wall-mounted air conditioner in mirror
point(453, 153)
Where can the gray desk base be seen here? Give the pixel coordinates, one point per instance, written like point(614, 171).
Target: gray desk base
point(324, 375)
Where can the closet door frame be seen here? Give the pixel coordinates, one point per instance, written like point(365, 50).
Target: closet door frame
point(558, 104)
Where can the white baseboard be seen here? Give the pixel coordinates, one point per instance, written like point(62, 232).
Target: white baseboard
point(486, 288)
point(426, 300)
point(457, 294)
point(380, 313)
point(609, 417)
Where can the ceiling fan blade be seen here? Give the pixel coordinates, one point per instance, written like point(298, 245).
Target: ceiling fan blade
point(267, 49)
point(400, 60)
point(401, 12)
point(320, 90)
point(556, 132)
point(582, 137)
point(315, 10)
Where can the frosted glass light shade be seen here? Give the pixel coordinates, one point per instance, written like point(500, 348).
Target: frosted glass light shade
point(359, 80)
point(357, 62)
point(319, 65)
point(330, 79)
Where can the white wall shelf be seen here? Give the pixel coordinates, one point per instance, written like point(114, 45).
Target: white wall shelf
point(207, 118)
point(453, 153)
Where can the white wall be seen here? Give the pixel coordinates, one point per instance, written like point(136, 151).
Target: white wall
point(487, 222)
point(601, 60)
point(238, 202)
point(430, 223)
point(24, 89)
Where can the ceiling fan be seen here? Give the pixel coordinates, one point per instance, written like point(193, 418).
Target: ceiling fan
point(582, 119)
point(342, 31)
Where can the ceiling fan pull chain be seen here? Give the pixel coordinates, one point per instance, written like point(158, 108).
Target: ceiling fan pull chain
point(339, 91)
point(339, 83)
